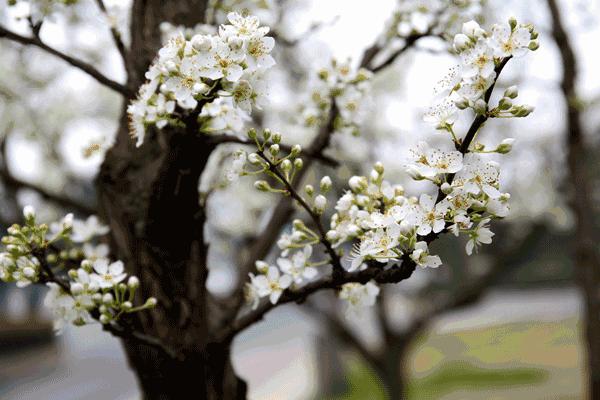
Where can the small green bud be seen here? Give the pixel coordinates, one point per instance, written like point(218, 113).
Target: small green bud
point(252, 133)
point(263, 186)
point(534, 45)
point(298, 163)
point(261, 266)
point(505, 146)
point(151, 302)
point(266, 134)
point(325, 184)
point(480, 107)
point(274, 150)
point(505, 103)
point(462, 103)
point(296, 149)
point(276, 138)
point(378, 167)
point(298, 224)
point(511, 92)
point(309, 189)
point(512, 21)
point(286, 165)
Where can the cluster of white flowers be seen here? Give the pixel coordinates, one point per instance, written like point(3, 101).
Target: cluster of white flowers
point(219, 76)
point(348, 87)
point(417, 17)
point(37, 10)
point(358, 297)
point(37, 253)
point(481, 53)
point(385, 226)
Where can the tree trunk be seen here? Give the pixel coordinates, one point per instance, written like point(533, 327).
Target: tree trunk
point(149, 196)
point(586, 258)
point(391, 370)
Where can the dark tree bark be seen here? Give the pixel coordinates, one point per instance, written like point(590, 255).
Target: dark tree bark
point(149, 196)
point(587, 261)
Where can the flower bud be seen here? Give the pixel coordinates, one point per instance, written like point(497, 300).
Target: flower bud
point(461, 42)
point(274, 150)
point(286, 165)
point(151, 302)
point(171, 66)
point(505, 146)
point(472, 29)
point(108, 298)
point(276, 138)
point(266, 134)
point(261, 266)
point(298, 163)
point(480, 107)
point(406, 227)
point(332, 235)
point(29, 213)
point(200, 88)
point(512, 21)
point(29, 272)
point(133, 282)
point(309, 189)
point(511, 92)
point(374, 175)
point(263, 186)
point(358, 183)
point(76, 288)
point(296, 149)
point(320, 203)
point(414, 173)
point(534, 45)
point(86, 265)
point(254, 159)
point(252, 133)
point(104, 319)
point(462, 103)
point(200, 43)
point(325, 184)
point(446, 188)
point(505, 103)
point(126, 305)
point(378, 166)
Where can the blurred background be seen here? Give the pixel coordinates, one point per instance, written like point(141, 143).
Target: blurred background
point(507, 323)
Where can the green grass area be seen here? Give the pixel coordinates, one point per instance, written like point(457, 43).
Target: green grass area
point(537, 360)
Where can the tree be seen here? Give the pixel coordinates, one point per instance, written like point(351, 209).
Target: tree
point(194, 96)
point(586, 259)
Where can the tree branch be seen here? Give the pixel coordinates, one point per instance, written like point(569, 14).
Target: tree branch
point(81, 65)
point(116, 35)
point(393, 274)
point(60, 200)
point(334, 257)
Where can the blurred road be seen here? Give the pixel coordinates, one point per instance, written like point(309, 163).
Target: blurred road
point(276, 357)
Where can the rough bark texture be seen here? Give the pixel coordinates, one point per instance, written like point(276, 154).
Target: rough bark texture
point(587, 261)
point(149, 195)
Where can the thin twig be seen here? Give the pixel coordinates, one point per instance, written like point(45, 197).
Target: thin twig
point(116, 35)
point(334, 257)
point(82, 65)
point(394, 274)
